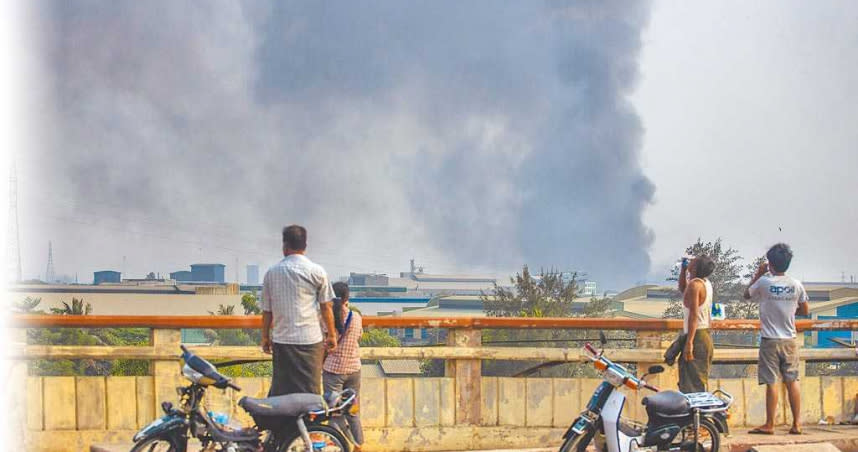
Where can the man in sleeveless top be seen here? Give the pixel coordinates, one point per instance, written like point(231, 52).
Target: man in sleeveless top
point(696, 358)
point(781, 298)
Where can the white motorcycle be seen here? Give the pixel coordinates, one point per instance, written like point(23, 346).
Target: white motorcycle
point(676, 422)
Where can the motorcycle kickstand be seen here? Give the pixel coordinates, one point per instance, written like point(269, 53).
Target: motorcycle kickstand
point(305, 435)
point(696, 429)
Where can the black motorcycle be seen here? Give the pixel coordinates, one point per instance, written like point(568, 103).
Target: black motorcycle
point(287, 423)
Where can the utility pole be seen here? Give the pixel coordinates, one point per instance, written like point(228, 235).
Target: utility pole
point(13, 244)
point(49, 272)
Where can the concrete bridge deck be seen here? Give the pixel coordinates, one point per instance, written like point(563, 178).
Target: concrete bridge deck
point(843, 437)
point(463, 409)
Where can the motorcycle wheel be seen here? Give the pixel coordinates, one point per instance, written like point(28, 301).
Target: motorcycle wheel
point(323, 437)
point(708, 439)
point(155, 445)
point(578, 443)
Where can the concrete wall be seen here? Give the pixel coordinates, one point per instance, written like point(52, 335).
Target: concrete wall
point(70, 413)
point(139, 303)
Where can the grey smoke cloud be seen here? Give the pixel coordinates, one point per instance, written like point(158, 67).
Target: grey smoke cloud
point(477, 136)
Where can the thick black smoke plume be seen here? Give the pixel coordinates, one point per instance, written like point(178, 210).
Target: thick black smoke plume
point(475, 136)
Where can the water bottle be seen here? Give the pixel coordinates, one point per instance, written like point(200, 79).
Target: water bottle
point(224, 422)
point(222, 419)
point(682, 263)
point(718, 311)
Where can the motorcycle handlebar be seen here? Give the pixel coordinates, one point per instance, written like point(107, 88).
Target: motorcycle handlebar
point(591, 349)
point(233, 386)
point(651, 387)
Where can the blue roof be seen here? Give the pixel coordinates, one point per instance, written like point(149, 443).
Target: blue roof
point(389, 299)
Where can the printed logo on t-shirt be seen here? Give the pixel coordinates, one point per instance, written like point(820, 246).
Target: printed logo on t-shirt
point(782, 290)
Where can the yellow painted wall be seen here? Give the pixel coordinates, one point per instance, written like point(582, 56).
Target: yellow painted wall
point(69, 413)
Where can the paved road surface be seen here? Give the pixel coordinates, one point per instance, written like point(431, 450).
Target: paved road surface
point(842, 437)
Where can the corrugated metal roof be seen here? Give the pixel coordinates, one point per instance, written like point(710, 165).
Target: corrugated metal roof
point(454, 278)
point(435, 311)
point(833, 304)
point(371, 371)
point(400, 366)
point(646, 307)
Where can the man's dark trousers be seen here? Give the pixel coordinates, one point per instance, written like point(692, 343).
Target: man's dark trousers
point(297, 369)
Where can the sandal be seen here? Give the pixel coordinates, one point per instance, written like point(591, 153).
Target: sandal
point(760, 431)
point(795, 431)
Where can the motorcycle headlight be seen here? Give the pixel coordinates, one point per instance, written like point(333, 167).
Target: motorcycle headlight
point(613, 377)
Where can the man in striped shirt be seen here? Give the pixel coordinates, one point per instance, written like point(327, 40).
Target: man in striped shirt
point(293, 292)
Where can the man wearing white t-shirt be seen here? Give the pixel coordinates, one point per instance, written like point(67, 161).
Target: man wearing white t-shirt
point(781, 298)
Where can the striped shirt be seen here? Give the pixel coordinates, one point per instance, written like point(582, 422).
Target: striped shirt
point(345, 359)
point(292, 291)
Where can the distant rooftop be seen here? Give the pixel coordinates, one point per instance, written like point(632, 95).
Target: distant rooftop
point(450, 278)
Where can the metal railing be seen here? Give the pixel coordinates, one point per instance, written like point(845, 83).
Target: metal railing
point(463, 351)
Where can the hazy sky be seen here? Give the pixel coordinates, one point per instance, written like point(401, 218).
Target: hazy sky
point(751, 117)
point(597, 136)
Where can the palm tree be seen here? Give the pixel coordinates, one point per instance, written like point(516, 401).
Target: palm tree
point(28, 306)
point(224, 310)
point(77, 308)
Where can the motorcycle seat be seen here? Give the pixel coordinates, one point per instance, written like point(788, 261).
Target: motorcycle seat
point(667, 403)
point(284, 405)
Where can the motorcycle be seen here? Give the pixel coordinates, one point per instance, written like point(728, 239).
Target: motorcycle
point(676, 422)
point(286, 423)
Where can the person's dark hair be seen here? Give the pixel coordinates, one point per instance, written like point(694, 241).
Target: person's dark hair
point(295, 237)
point(779, 257)
point(341, 290)
point(705, 266)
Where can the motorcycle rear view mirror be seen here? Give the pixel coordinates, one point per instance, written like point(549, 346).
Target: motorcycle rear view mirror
point(655, 370)
point(652, 371)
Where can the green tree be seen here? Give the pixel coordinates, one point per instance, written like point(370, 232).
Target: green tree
point(250, 304)
point(78, 336)
point(28, 306)
point(78, 307)
point(742, 308)
point(224, 310)
point(726, 280)
point(376, 337)
point(599, 307)
point(550, 294)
